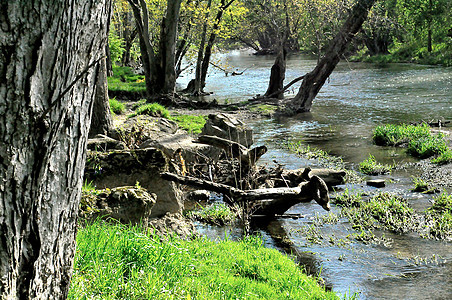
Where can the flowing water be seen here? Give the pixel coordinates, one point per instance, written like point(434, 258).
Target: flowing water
point(356, 98)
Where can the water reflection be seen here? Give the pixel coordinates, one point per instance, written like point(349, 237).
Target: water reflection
point(356, 98)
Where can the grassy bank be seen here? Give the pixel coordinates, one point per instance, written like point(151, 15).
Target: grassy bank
point(418, 139)
point(122, 262)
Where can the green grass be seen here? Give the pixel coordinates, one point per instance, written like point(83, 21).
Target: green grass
point(370, 166)
point(117, 107)
point(439, 217)
point(420, 185)
point(125, 80)
point(395, 135)
point(122, 262)
point(419, 140)
point(190, 123)
point(151, 109)
point(217, 214)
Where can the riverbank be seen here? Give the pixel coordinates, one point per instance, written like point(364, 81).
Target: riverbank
point(125, 262)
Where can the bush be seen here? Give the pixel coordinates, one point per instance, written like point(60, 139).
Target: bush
point(427, 146)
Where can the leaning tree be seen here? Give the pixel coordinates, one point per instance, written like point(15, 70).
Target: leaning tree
point(314, 80)
point(49, 64)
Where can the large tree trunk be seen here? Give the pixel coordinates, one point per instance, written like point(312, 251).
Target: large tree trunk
point(197, 83)
point(277, 75)
point(48, 56)
point(101, 121)
point(313, 81)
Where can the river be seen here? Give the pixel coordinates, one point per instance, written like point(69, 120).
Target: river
point(356, 98)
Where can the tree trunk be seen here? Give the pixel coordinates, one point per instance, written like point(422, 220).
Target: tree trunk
point(211, 41)
point(197, 84)
point(313, 81)
point(48, 56)
point(277, 75)
point(169, 47)
point(101, 121)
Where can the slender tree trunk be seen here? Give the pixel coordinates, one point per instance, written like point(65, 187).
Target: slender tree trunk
point(197, 84)
point(49, 51)
point(101, 121)
point(211, 41)
point(313, 81)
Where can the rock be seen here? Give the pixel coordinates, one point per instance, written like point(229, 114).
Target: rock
point(138, 129)
point(129, 167)
point(199, 195)
point(228, 127)
point(330, 176)
point(173, 224)
point(126, 204)
point(104, 143)
point(378, 183)
point(191, 152)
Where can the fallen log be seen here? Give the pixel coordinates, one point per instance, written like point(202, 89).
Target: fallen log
point(235, 150)
point(269, 202)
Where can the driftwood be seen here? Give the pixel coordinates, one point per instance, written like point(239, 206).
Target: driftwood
point(269, 202)
point(235, 150)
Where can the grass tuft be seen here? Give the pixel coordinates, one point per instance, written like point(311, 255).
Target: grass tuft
point(117, 107)
point(370, 166)
point(190, 123)
point(217, 214)
point(151, 109)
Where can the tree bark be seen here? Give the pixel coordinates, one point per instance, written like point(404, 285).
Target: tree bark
point(277, 75)
point(313, 81)
point(197, 84)
point(48, 56)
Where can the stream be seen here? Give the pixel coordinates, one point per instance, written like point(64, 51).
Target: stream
point(356, 98)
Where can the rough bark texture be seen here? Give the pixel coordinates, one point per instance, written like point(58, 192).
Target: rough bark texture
point(313, 81)
point(101, 121)
point(48, 56)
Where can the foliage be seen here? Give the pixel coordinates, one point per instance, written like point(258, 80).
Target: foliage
point(116, 45)
point(124, 79)
point(151, 109)
point(190, 123)
point(124, 262)
point(427, 146)
point(370, 166)
point(117, 107)
point(444, 158)
point(420, 185)
point(217, 213)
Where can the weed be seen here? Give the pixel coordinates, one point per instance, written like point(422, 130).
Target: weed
point(428, 146)
point(439, 217)
point(347, 199)
point(444, 158)
point(370, 166)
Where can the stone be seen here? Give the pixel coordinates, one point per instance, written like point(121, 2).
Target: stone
point(140, 128)
point(171, 224)
point(126, 204)
point(228, 127)
point(135, 167)
point(199, 195)
point(378, 183)
point(104, 143)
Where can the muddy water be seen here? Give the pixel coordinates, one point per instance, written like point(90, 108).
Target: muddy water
point(356, 99)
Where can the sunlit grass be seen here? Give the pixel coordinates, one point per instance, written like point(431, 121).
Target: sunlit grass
point(122, 262)
point(117, 107)
point(190, 123)
point(370, 166)
point(217, 213)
